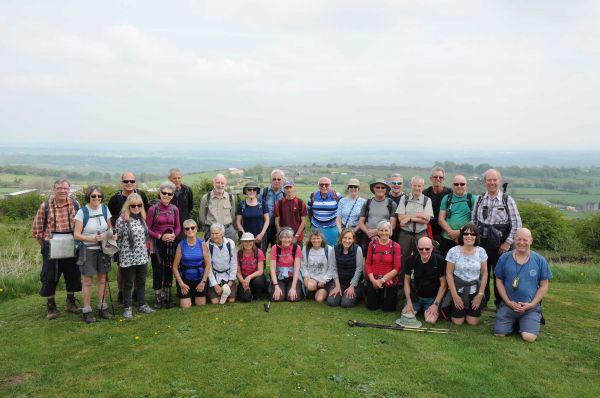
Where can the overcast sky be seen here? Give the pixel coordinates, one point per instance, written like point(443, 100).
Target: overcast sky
point(464, 74)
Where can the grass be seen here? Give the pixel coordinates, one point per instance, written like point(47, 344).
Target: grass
point(303, 349)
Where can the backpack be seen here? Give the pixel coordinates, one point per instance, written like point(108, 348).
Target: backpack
point(47, 212)
point(157, 212)
point(86, 214)
point(374, 246)
point(208, 195)
point(297, 202)
point(389, 206)
point(240, 254)
point(211, 248)
point(449, 204)
point(325, 249)
point(426, 198)
point(278, 254)
point(243, 206)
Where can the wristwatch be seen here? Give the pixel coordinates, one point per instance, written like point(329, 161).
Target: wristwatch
point(436, 303)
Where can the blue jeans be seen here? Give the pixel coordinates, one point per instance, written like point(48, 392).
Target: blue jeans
point(422, 303)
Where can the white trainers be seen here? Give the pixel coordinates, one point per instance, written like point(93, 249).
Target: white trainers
point(225, 294)
point(127, 314)
point(145, 309)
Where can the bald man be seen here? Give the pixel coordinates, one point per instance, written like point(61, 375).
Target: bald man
point(522, 277)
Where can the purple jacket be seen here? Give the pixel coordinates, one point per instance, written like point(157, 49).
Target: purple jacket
point(164, 220)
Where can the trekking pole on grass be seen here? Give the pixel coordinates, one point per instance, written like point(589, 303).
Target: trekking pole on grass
point(112, 307)
point(398, 327)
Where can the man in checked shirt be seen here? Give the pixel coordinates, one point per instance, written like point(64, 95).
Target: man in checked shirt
point(497, 219)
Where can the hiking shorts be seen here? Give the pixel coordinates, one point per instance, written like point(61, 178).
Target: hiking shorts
point(51, 271)
point(93, 261)
point(422, 303)
point(192, 292)
point(529, 321)
point(467, 310)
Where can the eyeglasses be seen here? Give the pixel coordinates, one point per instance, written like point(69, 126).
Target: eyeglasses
point(166, 193)
point(352, 186)
point(424, 249)
point(192, 228)
point(128, 181)
point(437, 177)
point(396, 183)
point(324, 185)
point(460, 184)
point(136, 206)
point(251, 189)
point(96, 196)
point(469, 234)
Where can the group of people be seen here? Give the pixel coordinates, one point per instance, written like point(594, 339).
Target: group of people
point(438, 246)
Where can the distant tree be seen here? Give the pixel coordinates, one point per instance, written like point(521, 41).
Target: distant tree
point(546, 224)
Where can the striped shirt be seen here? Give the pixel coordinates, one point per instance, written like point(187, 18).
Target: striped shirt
point(497, 214)
point(323, 210)
point(61, 218)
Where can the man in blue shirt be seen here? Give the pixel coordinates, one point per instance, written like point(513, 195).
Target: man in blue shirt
point(322, 209)
point(522, 277)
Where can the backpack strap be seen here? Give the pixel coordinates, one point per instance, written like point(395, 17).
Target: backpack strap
point(367, 208)
point(208, 195)
point(470, 201)
point(46, 213)
point(86, 215)
point(479, 200)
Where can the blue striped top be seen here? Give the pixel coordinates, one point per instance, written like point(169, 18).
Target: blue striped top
point(324, 211)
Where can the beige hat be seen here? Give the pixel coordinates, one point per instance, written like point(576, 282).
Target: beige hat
point(247, 236)
point(408, 321)
point(353, 181)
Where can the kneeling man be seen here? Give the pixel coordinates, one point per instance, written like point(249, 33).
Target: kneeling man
point(428, 281)
point(522, 277)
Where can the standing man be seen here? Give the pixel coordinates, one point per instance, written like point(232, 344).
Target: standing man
point(436, 192)
point(291, 212)
point(396, 193)
point(271, 195)
point(414, 213)
point(183, 198)
point(455, 212)
point(379, 207)
point(217, 206)
point(424, 281)
point(497, 219)
point(322, 209)
point(115, 205)
point(54, 220)
point(522, 277)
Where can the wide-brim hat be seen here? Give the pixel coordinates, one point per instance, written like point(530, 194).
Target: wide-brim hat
point(353, 181)
point(251, 184)
point(408, 321)
point(380, 181)
point(247, 236)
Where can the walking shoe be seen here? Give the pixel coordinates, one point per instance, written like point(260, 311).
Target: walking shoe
point(157, 301)
point(127, 314)
point(104, 314)
point(88, 317)
point(52, 311)
point(72, 306)
point(145, 309)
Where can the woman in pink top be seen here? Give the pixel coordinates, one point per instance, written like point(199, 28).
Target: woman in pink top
point(384, 259)
point(285, 268)
point(251, 269)
point(163, 228)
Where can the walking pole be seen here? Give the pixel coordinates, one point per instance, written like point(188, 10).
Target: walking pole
point(356, 323)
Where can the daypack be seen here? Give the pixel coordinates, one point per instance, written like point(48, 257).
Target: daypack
point(208, 195)
point(429, 230)
point(86, 214)
point(297, 202)
point(501, 229)
point(157, 212)
point(449, 204)
point(278, 254)
point(389, 206)
point(424, 200)
point(374, 246)
point(243, 206)
point(240, 254)
point(211, 248)
point(325, 249)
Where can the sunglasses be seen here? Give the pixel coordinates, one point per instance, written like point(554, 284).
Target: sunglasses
point(96, 196)
point(379, 187)
point(166, 193)
point(352, 186)
point(469, 234)
point(190, 228)
point(424, 249)
point(324, 185)
point(396, 183)
point(276, 179)
point(251, 189)
point(437, 177)
point(128, 181)
point(460, 184)
point(136, 206)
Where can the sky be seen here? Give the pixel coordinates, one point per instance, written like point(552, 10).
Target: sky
point(342, 73)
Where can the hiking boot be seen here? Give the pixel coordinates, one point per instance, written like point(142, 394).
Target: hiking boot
point(88, 317)
point(52, 311)
point(145, 309)
point(157, 301)
point(127, 314)
point(72, 306)
point(104, 314)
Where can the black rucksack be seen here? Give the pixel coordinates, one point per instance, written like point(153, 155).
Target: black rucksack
point(390, 205)
point(449, 204)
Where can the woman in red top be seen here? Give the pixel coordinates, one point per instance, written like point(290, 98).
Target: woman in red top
point(384, 259)
point(285, 268)
point(251, 269)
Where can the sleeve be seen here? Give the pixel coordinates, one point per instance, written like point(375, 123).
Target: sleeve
point(153, 234)
point(276, 210)
point(177, 227)
point(113, 208)
point(409, 265)
point(394, 207)
point(304, 264)
point(119, 230)
point(397, 257)
point(545, 272)
point(363, 210)
point(265, 207)
point(238, 209)
point(360, 263)
point(444, 203)
point(261, 255)
point(38, 223)
point(369, 263)
point(273, 255)
point(79, 215)
point(309, 203)
point(304, 209)
point(233, 265)
point(428, 209)
point(499, 269)
point(340, 196)
point(442, 265)
point(482, 254)
point(341, 205)
point(401, 209)
point(515, 219)
point(451, 255)
point(298, 253)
